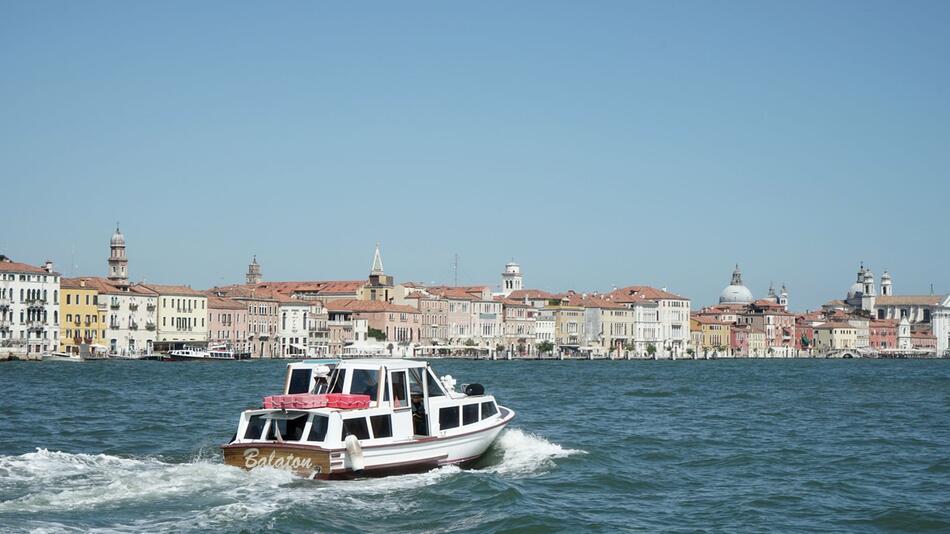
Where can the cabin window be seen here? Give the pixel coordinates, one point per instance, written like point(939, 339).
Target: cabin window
point(435, 389)
point(290, 429)
point(448, 418)
point(255, 426)
point(357, 427)
point(488, 409)
point(469, 414)
point(340, 378)
point(400, 390)
point(364, 383)
point(415, 382)
point(299, 381)
point(318, 430)
point(382, 426)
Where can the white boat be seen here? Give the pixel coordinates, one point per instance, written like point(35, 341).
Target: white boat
point(62, 357)
point(213, 352)
point(377, 417)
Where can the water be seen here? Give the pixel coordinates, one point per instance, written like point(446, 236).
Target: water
point(747, 446)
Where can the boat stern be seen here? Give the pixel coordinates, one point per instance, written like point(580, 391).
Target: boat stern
point(302, 461)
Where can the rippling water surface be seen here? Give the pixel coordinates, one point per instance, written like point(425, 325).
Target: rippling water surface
point(781, 445)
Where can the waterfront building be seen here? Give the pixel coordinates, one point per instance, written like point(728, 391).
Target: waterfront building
point(227, 324)
point(835, 336)
point(261, 316)
point(182, 317)
point(738, 339)
point(318, 340)
point(512, 279)
point(519, 327)
point(883, 333)
point(487, 320)
point(923, 312)
point(435, 317)
point(293, 327)
point(672, 314)
point(131, 316)
point(398, 324)
point(459, 313)
point(570, 323)
point(609, 327)
point(716, 335)
point(778, 324)
point(545, 328)
point(862, 331)
point(340, 330)
point(82, 324)
point(29, 308)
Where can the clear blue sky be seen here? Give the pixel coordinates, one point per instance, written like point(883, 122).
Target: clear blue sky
point(598, 144)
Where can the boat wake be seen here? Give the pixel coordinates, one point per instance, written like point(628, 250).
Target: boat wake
point(47, 490)
point(521, 453)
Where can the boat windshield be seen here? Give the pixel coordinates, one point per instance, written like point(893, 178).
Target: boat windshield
point(336, 380)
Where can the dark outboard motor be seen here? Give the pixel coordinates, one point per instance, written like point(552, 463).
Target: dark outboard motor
point(474, 389)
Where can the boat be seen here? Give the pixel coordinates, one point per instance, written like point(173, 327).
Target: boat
point(62, 357)
point(374, 417)
point(85, 354)
point(213, 352)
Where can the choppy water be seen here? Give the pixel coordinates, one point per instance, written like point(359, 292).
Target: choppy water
point(781, 445)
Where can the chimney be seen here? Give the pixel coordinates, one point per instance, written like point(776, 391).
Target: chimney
point(48, 266)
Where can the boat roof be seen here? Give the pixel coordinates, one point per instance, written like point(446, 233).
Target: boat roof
point(389, 363)
point(363, 363)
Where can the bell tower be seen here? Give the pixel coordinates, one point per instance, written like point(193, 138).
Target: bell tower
point(511, 279)
point(253, 275)
point(118, 262)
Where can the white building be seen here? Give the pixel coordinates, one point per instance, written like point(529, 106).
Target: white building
point(672, 316)
point(545, 327)
point(487, 322)
point(29, 308)
point(293, 327)
point(923, 312)
point(131, 326)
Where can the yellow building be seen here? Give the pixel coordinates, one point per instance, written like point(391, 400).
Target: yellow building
point(182, 317)
point(835, 336)
point(714, 333)
point(81, 323)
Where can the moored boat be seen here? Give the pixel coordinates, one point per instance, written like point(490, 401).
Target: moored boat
point(213, 352)
point(340, 419)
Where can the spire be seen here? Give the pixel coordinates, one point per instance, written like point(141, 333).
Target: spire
point(736, 277)
point(377, 262)
point(771, 289)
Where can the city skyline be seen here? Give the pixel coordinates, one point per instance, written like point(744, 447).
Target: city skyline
point(658, 144)
point(236, 275)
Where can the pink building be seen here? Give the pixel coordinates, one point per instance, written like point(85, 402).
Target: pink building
point(398, 322)
point(883, 333)
point(227, 321)
point(777, 323)
point(435, 316)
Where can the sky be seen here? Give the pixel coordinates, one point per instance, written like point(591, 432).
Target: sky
point(598, 144)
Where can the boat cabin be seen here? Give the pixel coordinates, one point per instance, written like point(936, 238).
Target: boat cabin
point(406, 401)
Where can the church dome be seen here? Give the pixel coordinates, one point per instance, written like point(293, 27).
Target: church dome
point(118, 240)
point(736, 293)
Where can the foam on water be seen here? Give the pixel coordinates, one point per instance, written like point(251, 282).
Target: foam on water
point(525, 453)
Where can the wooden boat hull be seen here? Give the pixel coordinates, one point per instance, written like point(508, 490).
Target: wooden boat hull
point(307, 462)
